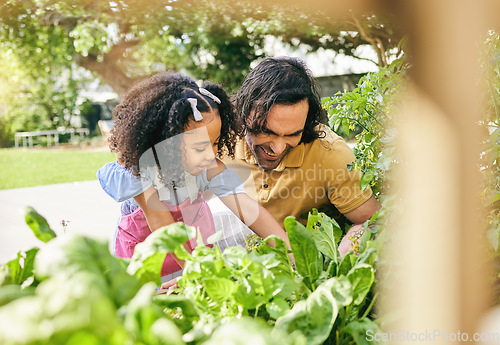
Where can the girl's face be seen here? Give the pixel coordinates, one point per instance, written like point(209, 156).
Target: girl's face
point(200, 140)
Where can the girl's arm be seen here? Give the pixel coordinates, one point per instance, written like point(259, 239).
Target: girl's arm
point(157, 214)
point(255, 216)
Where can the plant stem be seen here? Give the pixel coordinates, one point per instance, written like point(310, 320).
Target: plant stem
point(367, 311)
point(256, 311)
point(359, 123)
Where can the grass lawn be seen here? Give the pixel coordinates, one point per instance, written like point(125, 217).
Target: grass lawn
point(35, 167)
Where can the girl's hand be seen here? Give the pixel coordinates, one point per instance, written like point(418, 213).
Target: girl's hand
point(167, 286)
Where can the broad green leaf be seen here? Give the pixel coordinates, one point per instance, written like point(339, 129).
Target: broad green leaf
point(264, 282)
point(341, 289)
point(308, 259)
point(147, 261)
point(71, 254)
point(493, 235)
point(18, 270)
point(361, 278)
point(346, 264)
point(314, 317)
point(177, 301)
point(184, 309)
point(63, 309)
point(363, 240)
point(363, 331)
point(368, 256)
point(219, 289)
point(326, 233)
point(233, 255)
point(279, 262)
point(164, 332)
point(144, 319)
point(149, 269)
point(10, 293)
point(38, 225)
point(141, 313)
point(366, 179)
point(329, 271)
point(277, 307)
point(251, 331)
point(246, 295)
point(285, 286)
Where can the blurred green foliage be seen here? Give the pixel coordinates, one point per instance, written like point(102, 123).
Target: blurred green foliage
point(49, 47)
point(370, 110)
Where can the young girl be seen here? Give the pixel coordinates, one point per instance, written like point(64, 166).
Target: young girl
point(167, 134)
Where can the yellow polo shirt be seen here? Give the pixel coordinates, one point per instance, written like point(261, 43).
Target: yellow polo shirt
point(312, 175)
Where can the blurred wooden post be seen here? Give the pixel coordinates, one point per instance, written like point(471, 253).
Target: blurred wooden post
point(442, 282)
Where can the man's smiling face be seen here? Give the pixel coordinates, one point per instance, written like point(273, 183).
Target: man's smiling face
point(283, 131)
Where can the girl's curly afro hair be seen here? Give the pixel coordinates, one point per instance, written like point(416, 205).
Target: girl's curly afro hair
point(156, 109)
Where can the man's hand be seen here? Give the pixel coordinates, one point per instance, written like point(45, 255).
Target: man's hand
point(349, 241)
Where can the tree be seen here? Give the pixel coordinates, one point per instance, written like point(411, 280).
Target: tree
point(124, 41)
point(50, 42)
point(39, 88)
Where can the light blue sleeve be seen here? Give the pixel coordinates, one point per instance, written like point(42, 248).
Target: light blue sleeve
point(226, 183)
point(119, 183)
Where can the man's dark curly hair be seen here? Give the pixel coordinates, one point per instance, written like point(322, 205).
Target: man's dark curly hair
point(156, 109)
point(281, 80)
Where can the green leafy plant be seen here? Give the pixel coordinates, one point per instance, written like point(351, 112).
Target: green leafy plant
point(77, 292)
point(370, 106)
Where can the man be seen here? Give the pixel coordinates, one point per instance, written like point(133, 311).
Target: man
point(296, 163)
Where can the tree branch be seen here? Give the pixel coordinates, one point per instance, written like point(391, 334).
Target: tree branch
point(382, 50)
point(117, 50)
point(108, 70)
point(374, 42)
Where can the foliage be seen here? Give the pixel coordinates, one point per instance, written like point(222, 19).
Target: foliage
point(38, 225)
point(6, 134)
point(37, 77)
point(76, 292)
point(217, 38)
point(490, 165)
point(371, 107)
point(48, 47)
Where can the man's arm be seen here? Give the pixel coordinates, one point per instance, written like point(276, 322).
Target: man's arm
point(363, 212)
point(358, 217)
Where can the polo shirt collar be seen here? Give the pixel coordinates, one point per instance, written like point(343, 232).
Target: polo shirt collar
point(293, 159)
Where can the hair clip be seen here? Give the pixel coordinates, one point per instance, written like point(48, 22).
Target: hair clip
point(196, 112)
point(209, 94)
